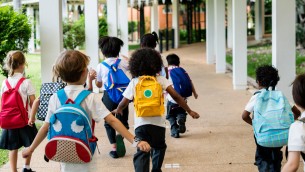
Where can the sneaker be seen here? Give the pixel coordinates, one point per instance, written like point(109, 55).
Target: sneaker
point(181, 123)
point(120, 146)
point(27, 170)
point(175, 135)
point(113, 154)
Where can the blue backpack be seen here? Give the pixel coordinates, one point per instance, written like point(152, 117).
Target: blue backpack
point(71, 132)
point(117, 82)
point(182, 82)
point(272, 119)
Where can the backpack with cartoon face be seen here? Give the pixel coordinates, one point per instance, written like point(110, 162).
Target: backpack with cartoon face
point(71, 132)
point(148, 99)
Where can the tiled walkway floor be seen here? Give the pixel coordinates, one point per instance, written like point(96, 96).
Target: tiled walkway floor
point(217, 142)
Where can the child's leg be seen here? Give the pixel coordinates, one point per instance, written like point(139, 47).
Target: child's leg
point(172, 118)
point(181, 119)
point(276, 159)
point(141, 160)
point(27, 162)
point(13, 155)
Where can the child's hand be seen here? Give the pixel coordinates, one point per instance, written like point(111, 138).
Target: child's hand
point(27, 152)
point(195, 95)
point(31, 121)
point(144, 146)
point(92, 74)
point(116, 111)
point(195, 115)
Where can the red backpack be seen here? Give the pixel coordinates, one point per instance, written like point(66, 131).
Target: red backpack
point(13, 113)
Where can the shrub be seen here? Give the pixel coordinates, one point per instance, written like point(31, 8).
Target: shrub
point(15, 33)
point(74, 33)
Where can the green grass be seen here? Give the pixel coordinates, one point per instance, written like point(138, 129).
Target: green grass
point(34, 73)
point(134, 47)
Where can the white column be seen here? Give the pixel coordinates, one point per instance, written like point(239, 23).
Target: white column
point(17, 5)
point(92, 33)
point(64, 9)
point(210, 44)
point(175, 15)
point(112, 17)
point(154, 22)
point(37, 30)
point(229, 25)
point(75, 13)
point(220, 37)
point(30, 14)
point(123, 24)
point(283, 43)
point(239, 44)
point(258, 20)
point(51, 36)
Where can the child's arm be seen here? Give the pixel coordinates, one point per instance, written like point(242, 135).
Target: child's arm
point(118, 126)
point(32, 99)
point(292, 164)
point(194, 91)
point(296, 112)
point(34, 110)
point(181, 102)
point(246, 117)
point(41, 135)
point(92, 76)
point(123, 104)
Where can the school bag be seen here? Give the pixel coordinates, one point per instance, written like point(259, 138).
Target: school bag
point(148, 99)
point(13, 113)
point(117, 82)
point(272, 118)
point(71, 132)
point(46, 91)
point(181, 80)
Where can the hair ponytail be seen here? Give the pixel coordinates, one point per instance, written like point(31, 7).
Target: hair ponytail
point(13, 60)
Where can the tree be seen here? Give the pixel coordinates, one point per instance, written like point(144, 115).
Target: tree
point(15, 32)
point(74, 33)
point(300, 26)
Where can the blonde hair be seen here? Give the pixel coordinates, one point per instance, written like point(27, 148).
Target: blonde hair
point(13, 60)
point(70, 64)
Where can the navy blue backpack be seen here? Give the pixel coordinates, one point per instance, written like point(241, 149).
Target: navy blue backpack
point(117, 82)
point(182, 82)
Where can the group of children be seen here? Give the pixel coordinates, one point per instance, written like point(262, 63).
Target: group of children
point(145, 66)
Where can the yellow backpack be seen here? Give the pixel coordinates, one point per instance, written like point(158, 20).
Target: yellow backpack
point(148, 100)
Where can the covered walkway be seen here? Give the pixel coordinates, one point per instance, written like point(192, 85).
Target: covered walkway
point(218, 141)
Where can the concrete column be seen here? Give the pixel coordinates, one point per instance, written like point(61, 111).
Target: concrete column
point(64, 9)
point(210, 32)
point(17, 5)
point(30, 14)
point(229, 25)
point(75, 12)
point(239, 44)
point(283, 43)
point(220, 37)
point(112, 17)
point(154, 22)
point(175, 15)
point(37, 30)
point(51, 36)
point(123, 25)
point(258, 20)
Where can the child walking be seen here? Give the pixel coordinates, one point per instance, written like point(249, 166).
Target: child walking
point(71, 67)
point(268, 158)
point(110, 47)
point(176, 115)
point(296, 140)
point(146, 90)
point(13, 139)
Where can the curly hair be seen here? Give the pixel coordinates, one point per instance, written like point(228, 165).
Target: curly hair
point(267, 76)
point(149, 40)
point(110, 46)
point(145, 61)
point(298, 90)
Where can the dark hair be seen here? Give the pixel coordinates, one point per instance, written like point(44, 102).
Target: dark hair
point(149, 40)
point(145, 61)
point(110, 46)
point(267, 76)
point(298, 91)
point(173, 59)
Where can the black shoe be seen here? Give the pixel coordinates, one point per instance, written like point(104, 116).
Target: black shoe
point(175, 135)
point(120, 146)
point(27, 170)
point(181, 123)
point(113, 154)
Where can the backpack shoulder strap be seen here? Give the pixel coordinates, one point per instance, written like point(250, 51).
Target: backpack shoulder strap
point(105, 64)
point(117, 62)
point(19, 83)
point(302, 120)
point(8, 85)
point(81, 96)
point(62, 96)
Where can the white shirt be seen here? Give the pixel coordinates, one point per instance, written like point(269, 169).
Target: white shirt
point(129, 94)
point(26, 88)
point(102, 71)
point(92, 105)
point(296, 138)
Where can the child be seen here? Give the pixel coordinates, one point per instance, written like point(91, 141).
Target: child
point(296, 140)
point(71, 67)
point(13, 139)
point(144, 63)
point(176, 115)
point(266, 158)
point(110, 47)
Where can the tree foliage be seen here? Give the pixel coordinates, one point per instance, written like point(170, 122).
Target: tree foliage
point(15, 32)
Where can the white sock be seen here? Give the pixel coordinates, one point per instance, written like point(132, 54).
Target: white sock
point(26, 166)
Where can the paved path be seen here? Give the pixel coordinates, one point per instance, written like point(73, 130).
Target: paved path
point(218, 141)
